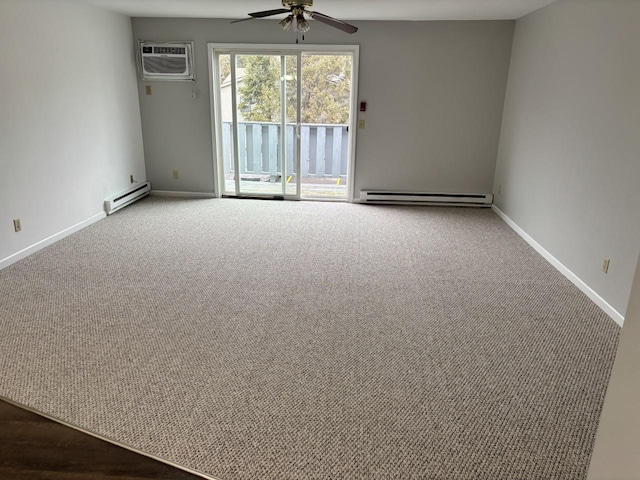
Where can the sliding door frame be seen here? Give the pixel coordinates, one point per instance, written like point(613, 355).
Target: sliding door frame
point(277, 49)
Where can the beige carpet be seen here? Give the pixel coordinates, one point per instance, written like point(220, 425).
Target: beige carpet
point(281, 340)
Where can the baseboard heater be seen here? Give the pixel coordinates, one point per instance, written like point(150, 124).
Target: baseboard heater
point(418, 198)
point(123, 199)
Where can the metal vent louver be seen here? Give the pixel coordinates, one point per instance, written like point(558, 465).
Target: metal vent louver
point(165, 65)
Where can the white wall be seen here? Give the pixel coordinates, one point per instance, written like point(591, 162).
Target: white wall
point(70, 132)
point(434, 93)
point(568, 170)
point(616, 454)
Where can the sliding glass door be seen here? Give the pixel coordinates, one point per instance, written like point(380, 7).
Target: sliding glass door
point(282, 121)
point(260, 123)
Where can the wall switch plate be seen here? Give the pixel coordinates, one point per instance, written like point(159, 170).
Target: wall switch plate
point(17, 226)
point(175, 175)
point(361, 124)
point(605, 265)
point(147, 89)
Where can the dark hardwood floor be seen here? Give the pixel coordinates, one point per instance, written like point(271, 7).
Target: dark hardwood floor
point(35, 448)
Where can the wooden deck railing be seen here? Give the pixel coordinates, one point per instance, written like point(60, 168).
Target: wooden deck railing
point(323, 149)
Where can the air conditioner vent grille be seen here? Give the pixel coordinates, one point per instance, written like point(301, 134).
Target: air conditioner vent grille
point(165, 65)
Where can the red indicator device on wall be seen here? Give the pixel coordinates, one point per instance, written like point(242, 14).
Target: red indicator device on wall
point(363, 106)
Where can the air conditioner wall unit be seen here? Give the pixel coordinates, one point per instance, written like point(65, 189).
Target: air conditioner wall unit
point(166, 60)
point(426, 198)
point(121, 200)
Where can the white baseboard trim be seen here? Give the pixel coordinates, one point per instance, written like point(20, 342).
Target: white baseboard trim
point(586, 289)
point(170, 193)
point(11, 259)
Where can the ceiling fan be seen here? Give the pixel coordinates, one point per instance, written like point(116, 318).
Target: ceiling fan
point(297, 9)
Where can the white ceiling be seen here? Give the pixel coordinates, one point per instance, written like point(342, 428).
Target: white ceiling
point(342, 9)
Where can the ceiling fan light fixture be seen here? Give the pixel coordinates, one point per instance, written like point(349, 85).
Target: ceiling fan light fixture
point(303, 25)
point(286, 22)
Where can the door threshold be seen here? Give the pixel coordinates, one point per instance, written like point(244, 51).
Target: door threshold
point(257, 197)
point(321, 199)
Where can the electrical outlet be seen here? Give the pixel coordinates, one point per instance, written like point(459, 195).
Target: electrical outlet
point(17, 226)
point(147, 89)
point(131, 180)
point(605, 265)
point(175, 175)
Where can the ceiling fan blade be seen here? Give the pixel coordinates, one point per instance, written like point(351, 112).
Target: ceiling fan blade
point(242, 20)
point(332, 22)
point(268, 13)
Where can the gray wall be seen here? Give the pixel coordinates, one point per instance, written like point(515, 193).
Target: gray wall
point(617, 447)
point(568, 171)
point(70, 132)
point(434, 92)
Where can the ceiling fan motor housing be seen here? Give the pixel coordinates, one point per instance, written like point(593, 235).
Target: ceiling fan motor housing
point(297, 3)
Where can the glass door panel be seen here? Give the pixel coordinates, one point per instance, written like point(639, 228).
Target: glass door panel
point(227, 167)
point(263, 107)
point(292, 121)
point(326, 110)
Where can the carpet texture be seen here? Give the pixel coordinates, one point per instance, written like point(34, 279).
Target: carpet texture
point(298, 340)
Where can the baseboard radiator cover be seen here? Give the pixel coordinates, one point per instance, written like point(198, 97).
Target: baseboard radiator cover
point(426, 198)
point(121, 200)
